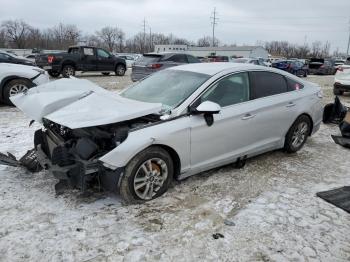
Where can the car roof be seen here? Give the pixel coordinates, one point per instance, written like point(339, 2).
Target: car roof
point(214, 68)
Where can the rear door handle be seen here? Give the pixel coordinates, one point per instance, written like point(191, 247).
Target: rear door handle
point(247, 116)
point(290, 104)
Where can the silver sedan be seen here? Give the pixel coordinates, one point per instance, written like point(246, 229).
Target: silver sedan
point(174, 124)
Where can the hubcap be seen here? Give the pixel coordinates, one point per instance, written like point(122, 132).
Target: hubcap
point(69, 71)
point(300, 134)
point(120, 70)
point(150, 177)
point(17, 88)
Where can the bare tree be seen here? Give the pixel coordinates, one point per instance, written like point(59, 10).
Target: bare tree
point(207, 41)
point(111, 37)
point(2, 38)
point(64, 35)
point(16, 31)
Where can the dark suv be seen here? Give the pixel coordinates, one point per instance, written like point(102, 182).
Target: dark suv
point(153, 62)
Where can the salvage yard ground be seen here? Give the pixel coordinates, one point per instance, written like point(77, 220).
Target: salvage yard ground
point(266, 211)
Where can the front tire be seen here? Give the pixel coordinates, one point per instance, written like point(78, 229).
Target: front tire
point(15, 87)
point(120, 70)
point(147, 176)
point(297, 134)
point(68, 71)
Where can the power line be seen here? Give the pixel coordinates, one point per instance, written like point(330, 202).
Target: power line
point(214, 23)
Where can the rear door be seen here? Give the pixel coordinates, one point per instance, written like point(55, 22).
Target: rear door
point(275, 108)
point(105, 61)
point(88, 61)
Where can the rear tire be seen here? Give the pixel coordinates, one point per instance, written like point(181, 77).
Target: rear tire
point(15, 87)
point(120, 70)
point(297, 134)
point(105, 73)
point(68, 71)
point(150, 171)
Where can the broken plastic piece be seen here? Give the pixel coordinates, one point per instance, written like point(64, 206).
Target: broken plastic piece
point(29, 161)
point(343, 141)
point(334, 112)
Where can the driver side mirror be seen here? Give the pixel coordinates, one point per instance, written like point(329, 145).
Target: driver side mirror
point(208, 107)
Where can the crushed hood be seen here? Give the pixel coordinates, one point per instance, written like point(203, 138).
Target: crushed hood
point(77, 103)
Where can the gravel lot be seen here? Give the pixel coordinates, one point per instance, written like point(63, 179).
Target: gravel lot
point(266, 211)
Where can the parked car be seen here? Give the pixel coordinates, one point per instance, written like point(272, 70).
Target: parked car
point(81, 58)
point(31, 57)
point(216, 58)
point(254, 61)
point(175, 123)
point(153, 62)
point(15, 79)
point(129, 59)
point(321, 66)
point(338, 63)
point(295, 67)
point(342, 79)
point(6, 57)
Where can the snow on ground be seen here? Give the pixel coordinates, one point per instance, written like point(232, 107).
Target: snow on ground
point(266, 211)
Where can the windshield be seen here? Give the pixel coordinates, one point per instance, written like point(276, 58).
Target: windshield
point(168, 87)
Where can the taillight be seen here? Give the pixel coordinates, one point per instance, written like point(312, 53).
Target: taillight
point(340, 69)
point(322, 66)
point(50, 59)
point(155, 66)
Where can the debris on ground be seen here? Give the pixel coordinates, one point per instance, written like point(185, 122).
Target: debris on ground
point(340, 197)
point(218, 235)
point(334, 113)
point(28, 160)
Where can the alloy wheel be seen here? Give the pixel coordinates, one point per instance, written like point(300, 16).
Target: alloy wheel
point(299, 134)
point(150, 178)
point(17, 88)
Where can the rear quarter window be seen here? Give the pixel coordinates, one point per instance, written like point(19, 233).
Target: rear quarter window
point(293, 85)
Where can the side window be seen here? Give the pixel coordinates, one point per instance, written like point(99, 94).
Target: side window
point(267, 84)
point(4, 57)
point(192, 59)
point(293, 85)
point(178, 58)
point(229, 90)
point(88, 51)
point(102, 53)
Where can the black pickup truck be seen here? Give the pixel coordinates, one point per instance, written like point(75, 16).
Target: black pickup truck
point(81, 58)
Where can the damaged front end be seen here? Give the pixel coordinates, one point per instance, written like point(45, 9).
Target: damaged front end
point(72, 155)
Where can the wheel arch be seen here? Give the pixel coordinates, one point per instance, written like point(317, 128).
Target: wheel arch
point(7, 79)
point(68, 62)
point(174, 156)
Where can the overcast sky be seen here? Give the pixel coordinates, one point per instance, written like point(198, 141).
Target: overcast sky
point(240, 22)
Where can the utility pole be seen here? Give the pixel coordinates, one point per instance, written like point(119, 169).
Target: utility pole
point(150, 39)
point(214, 23)
point(144, 35)
point(347, 51)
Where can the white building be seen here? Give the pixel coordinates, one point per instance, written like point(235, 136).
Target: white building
point(230, 51)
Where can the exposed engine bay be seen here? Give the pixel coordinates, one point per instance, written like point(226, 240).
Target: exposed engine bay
point(72, 154)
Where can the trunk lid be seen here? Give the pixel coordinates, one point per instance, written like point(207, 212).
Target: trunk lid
point(77, 103)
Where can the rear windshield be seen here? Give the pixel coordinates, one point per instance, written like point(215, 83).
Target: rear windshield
point(148, 59)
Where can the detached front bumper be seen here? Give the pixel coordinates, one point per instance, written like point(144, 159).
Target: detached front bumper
point(64, 165)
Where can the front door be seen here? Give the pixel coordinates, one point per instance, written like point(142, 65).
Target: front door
point(232, 132)
point(105, 60)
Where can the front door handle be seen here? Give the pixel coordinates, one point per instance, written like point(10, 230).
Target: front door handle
point(247, 116)
point(290, 104)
